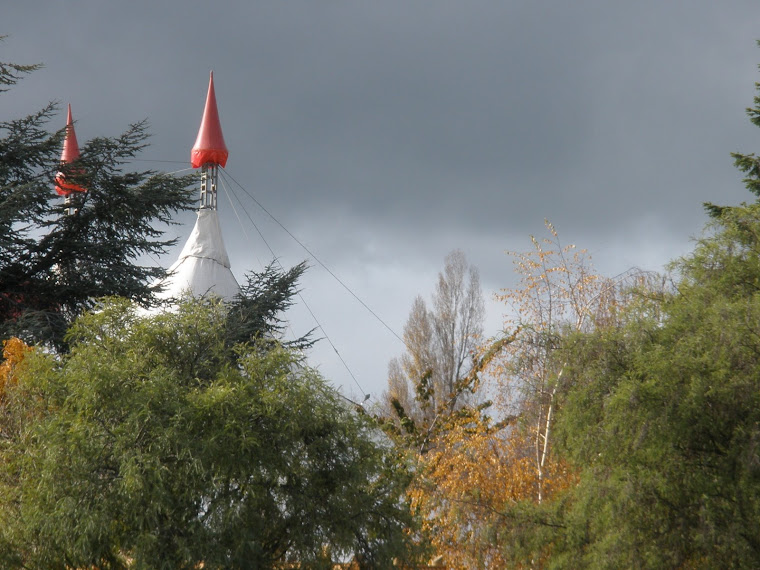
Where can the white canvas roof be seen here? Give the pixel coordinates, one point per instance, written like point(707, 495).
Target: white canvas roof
point(203, 266)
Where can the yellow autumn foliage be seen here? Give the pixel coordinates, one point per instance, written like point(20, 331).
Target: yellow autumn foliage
point(466, 485)
point(479, 489)
point(14, 351)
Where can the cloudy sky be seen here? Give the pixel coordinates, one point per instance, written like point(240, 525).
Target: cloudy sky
point(385, 134)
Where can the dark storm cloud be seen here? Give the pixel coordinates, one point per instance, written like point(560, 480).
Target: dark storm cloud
point(385, 134)
point(431, 114)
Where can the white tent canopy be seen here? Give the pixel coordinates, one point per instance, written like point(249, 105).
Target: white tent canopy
point(203, 267)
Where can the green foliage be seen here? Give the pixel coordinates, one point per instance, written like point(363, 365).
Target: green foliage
point(10, 73)
point(749, 164)
point(256, 313)
point(664, 418)
point(189, 439)
point(660, 413)
point(156, 441)
point(53, 264)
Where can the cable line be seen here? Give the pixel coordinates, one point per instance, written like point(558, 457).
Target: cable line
point(155, 160)
point(307, 250)
point(242, 227)
point(178, 171)
point(276, 259)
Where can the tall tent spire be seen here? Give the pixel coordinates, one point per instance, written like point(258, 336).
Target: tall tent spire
point(209, 146)
point(209, 151)
point(70, 154)
point(70, 145)
point(203, 266)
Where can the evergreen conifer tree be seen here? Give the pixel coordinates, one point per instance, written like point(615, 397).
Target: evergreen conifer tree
point(54, 262)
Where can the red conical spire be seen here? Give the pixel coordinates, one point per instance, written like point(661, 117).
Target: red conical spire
point(209, 147)
point(70, 146)
point(70, 154)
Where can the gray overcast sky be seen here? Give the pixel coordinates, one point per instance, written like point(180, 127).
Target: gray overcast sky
point(385, 134)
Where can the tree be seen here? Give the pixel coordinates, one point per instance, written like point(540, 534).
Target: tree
point(473, 475)
point(663, 418)
point(489, 487)
point(257, 311)
point(559, 293)
point(486, 473)
point(54, 265)
point(663, 415)
point(473, 491)
point(428, 380)
point(157, 442)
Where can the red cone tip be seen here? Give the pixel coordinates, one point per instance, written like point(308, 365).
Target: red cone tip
point(209, 147)
point(70, 146)
point(70, 154)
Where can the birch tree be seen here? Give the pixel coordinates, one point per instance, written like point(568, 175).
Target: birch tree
point(558, 293)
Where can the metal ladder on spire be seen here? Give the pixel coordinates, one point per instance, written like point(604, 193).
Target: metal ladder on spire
point(209, 180)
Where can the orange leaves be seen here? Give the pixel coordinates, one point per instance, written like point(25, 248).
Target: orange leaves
point(468, 483)
point(476, 485)
point(14, 351)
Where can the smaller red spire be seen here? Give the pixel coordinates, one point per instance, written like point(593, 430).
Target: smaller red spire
point(209, 147)
point(70, 154)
